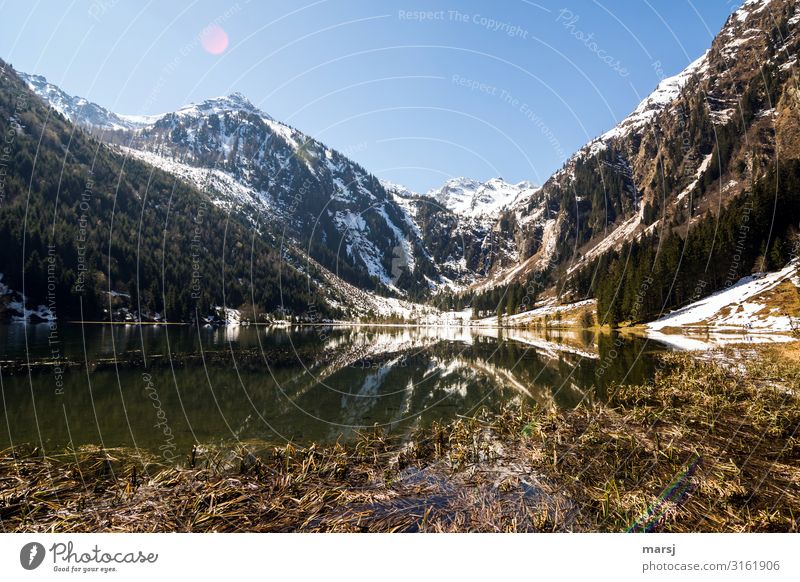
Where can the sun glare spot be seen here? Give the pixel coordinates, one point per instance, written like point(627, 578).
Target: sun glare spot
point(214, 39)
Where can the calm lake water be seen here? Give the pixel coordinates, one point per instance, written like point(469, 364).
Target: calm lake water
point(168, 387)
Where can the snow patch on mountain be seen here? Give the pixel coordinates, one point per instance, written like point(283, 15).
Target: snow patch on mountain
point(218, 105)
point(665, 93)
point(291, 136)
point(403, 252)
point(14, 306)
point(76, 109)
point(339, 293)
point(750, 7)
point(357, 244)
point(397, 190)
point(456, 194)
point(742, 306)
point(699, 174)
point(468, 197)
point(404, 199)
point(225, 190)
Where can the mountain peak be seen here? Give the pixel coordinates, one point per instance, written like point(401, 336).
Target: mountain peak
point(470, 197)
point(33, 79)
point(526, 185)
point(234, 102)
point(80, 110)
point(238, 99)
point(397, 189)
point(665, 93)
point(748, 8)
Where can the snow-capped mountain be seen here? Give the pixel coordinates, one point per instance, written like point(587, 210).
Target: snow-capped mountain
point(456, 195)
point(693, 144)
point(288, 183)
point(77, 109)
point(278, 178)
point(469, 197)
point(217, 106)
point(654, 170)
point(461, 225)
point(281, 181)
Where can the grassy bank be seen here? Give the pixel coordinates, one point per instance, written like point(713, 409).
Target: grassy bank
point(704, 447)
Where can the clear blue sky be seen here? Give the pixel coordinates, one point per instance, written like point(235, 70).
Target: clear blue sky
point(475, 88)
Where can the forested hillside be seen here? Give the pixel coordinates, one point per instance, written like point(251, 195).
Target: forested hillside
point(754, 232)
point(82, 227)
point(697, 187)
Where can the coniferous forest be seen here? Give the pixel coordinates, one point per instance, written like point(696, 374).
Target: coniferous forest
point(665, 270)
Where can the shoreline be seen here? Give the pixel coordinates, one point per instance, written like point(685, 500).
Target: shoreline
point(639, 329)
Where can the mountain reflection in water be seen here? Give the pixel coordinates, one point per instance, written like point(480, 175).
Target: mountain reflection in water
point(327, 384)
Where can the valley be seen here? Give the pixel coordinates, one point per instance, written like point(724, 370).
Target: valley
point(211, 320)
point(370, 250)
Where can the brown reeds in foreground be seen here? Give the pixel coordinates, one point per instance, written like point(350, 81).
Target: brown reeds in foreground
point(704, 447)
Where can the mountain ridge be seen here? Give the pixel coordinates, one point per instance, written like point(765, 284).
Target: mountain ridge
point(633, 185)
point(260, 184)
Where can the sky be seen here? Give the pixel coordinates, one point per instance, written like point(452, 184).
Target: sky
point(415, 91)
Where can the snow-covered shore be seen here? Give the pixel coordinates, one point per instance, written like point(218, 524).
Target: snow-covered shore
point(753, 310)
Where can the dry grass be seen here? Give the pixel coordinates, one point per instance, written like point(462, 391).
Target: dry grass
point(783, 299)
point(720, 445)
point(701, 448)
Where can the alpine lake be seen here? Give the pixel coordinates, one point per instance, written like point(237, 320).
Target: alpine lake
point(167, 388)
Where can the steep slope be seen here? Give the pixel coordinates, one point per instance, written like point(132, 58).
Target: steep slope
point(698, 142)
point(765, 302)
point(77, 109)
point(275, 177)
point(88, 232)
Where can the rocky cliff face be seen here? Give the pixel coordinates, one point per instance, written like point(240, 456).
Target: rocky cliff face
point(461, 228)
point(698, 141)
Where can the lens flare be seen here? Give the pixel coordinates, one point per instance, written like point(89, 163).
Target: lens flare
point(214, 39)
point(674, 493)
